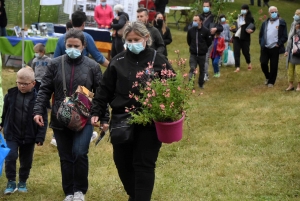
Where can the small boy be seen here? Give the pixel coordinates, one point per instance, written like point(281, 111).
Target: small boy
point(39, 63)
point(20, 130)
point(216, 52)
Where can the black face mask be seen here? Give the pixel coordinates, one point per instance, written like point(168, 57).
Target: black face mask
point(159, 22)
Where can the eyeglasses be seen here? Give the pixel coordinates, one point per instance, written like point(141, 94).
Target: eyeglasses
point(23, 84)
point(274, 12)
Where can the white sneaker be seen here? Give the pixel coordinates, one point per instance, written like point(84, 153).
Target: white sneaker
point(206, 77)
point(94, 136)
point(69, 198)
point(78, 196)
point(53, 142)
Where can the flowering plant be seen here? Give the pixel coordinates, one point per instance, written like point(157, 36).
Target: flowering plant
point(261, 18)
point(232, 17)
point(164, 97)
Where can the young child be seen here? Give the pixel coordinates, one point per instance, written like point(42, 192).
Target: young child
point(39, 64)
point(216, 52)
point(225, 33)
point(20, 130)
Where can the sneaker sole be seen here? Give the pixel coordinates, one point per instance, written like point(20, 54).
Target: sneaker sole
point(8, 193)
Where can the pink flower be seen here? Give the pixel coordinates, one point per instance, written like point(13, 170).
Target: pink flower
point(126, 110)
point(162, 106)
point(149, 105)
point(131, 95)
point(178, 88)
point(193, 91)
point(145, 103)
point(136, 98)
point(149, 95)
point(195, 71)
point(185, 75)
point(172, 104)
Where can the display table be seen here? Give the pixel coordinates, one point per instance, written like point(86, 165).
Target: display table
point(102, 35)
point(12, 45)
point(183, 14)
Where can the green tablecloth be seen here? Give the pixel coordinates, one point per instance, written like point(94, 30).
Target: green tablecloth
point(7, 48)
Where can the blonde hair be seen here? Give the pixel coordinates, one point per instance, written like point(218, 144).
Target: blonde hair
point(140, 29)
point(26, 74)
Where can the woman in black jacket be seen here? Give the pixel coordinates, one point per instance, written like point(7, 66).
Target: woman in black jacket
point(73, 146)
point(118, 22)
point(165, 32)
point(242, 38)
point(135, 158)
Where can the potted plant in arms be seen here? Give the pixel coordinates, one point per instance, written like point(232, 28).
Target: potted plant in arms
point(163, 99)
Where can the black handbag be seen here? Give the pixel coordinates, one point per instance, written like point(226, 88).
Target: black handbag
point(120, 130)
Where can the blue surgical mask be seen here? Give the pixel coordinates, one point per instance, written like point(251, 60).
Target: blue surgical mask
point(73, 53)
point(37, 55)
point(195, 24)
point(296, 17)
point(243, 12)
point(205, 9)
point(274, 15)
point(223, 19)
point(103, 3)
point(135, 48)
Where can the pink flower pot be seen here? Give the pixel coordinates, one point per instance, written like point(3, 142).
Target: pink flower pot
point(169, 132)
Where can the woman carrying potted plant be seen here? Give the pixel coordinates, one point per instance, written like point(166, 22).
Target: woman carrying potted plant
point(134, 156)
point(241, 38)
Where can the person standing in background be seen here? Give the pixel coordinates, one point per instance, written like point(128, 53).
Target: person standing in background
point(198, 39)
point(160, 6)
point(208, 22)
point(3, 19)
point(266, 3)
point(225, 33)
point(242, 37)
point(272, 36)
point(118, 23)
point(165, 32)
point(104, 15)
point(157, 41)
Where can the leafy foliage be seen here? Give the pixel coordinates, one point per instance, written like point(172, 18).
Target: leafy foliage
point(163, 97)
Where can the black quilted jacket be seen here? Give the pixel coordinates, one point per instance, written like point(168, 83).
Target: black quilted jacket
point(81, 71)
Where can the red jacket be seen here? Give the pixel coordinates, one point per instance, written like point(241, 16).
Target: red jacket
point(104, 16)
point(220, 47)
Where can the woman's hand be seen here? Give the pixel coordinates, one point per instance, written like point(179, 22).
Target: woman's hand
point(213, 31)
point(104, 127)
point(94, 121)
point(39, 120)
point(249, 31)
point(285, 54)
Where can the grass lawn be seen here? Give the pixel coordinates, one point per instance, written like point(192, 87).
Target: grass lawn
point(242, 143)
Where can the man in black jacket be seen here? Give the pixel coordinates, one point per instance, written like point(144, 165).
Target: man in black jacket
point(209, 22)
point(272, 36)
point(199, 40)
point(157, 41)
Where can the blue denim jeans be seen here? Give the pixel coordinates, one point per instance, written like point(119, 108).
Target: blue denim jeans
point(73, 148)
point(25, 154)
point(215, 63)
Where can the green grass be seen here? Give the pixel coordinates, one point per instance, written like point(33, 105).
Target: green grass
point(242, 143)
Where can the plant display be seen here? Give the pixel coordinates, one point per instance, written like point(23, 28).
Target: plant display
point(163, 97)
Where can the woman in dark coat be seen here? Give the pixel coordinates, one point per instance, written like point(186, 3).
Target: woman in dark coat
point(165, 32)
point(118, 23)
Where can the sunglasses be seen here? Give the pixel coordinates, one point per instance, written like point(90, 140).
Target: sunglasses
point(274, 12)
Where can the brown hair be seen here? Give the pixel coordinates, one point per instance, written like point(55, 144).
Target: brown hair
point(39, 47)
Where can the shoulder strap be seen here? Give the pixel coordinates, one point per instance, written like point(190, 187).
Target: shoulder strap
point(154, 57)
point(63, 75)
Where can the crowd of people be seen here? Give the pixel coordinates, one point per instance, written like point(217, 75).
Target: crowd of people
point(140, 43)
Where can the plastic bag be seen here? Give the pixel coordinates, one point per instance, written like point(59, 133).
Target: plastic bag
point(230, 58)
point(4, 150)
